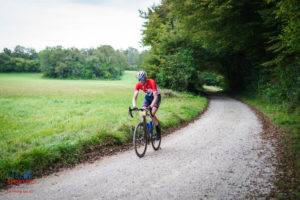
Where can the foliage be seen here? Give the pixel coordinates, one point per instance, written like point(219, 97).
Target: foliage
point(57, 62)
point(176, 72)
point(133, 58)
point(103, 62)
point(253, 44)
point(212, 78)
point(21, 59)
point(283, 83)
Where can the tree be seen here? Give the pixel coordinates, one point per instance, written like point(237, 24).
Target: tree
point(103, 62)
point(254, 44)
point(132, 56)
point(20, 60)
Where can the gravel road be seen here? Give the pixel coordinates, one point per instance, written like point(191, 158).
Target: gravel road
point(219, 156)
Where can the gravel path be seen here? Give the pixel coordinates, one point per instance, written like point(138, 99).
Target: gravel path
point(219, 156)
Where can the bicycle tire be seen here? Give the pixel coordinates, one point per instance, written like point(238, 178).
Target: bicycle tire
point(155, 143)
point(140, 140)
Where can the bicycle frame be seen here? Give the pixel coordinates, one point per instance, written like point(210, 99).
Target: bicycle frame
point(143, 119)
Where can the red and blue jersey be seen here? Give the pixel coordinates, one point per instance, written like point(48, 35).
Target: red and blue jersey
point(149, 87)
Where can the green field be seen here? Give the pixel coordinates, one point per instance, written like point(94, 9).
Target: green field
point(48, 121)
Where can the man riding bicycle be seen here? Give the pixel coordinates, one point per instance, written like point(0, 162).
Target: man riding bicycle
point(152, 97)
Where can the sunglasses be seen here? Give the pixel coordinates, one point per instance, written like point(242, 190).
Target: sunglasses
point(142, 79)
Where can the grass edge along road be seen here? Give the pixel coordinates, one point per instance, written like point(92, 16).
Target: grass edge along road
point(290, 140)
point(49, 122)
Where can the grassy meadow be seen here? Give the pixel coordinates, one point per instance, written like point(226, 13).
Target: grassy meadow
point(48, 121)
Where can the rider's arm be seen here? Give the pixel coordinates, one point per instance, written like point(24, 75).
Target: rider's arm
point(138, 87)
point(134, 99)
point(155, 94)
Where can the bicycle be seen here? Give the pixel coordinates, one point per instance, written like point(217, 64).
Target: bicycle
point(144, 133)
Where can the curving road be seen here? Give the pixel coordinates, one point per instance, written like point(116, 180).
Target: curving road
point(219, 156)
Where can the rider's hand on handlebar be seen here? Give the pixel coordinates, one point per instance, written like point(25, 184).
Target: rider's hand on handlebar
point(149, 108)
point(134, 108)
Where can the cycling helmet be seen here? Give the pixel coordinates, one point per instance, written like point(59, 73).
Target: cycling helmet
point(141, 76)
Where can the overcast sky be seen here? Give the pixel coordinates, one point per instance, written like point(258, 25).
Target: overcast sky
point(71, 23)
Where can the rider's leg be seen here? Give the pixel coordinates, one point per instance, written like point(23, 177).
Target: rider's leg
point(155, 121)
point(154, 110)
point(146, 103)
point(154, 118)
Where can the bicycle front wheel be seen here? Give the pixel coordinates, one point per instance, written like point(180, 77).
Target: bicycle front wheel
point(140, 140)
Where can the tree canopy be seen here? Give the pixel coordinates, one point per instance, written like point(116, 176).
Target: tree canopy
point(253, 43)
point(102, 62)
point(20, 59)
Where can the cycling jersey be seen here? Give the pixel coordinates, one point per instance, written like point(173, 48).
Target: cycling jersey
point(149, 87)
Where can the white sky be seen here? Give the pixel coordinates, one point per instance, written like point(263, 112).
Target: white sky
point(71, 23)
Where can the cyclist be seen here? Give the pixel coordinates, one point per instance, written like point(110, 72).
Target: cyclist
point(152, 97)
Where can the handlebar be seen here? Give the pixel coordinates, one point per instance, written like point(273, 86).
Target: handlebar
point(149, 109)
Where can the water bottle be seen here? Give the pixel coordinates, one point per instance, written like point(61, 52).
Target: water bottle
point(150, 128)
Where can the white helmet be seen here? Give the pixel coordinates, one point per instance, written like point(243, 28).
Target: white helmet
point(141, 75)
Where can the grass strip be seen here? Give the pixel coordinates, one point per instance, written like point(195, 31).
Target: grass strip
point(289, 124)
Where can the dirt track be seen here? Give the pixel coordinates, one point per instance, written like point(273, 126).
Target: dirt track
point(219, 156)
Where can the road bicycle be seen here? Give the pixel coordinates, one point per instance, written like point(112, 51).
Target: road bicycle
point(144, 132)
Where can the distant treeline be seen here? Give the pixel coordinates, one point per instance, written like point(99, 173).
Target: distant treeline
point(21, 59)
point(103, 62)
point(254, 44)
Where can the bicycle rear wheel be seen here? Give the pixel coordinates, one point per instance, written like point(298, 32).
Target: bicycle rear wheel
point(155, 143)
point(140, 140)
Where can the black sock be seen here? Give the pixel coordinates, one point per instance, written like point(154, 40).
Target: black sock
point(158, 130)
